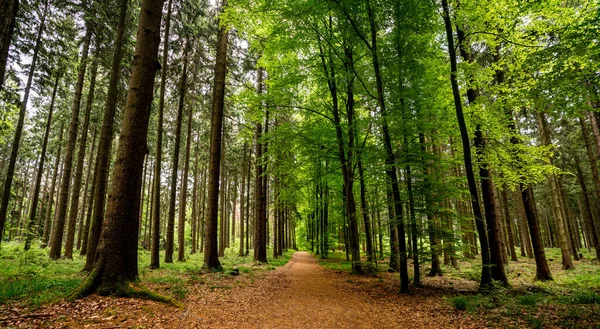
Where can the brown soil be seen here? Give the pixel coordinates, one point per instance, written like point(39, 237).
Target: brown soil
point(299, 295)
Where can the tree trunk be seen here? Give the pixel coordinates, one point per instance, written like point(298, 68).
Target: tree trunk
point(48, 219)
point(38, 180)
point(74, 209)
point(365, 214)
point(155, 248)
point(63, 200)
point(86, 194)
point(390, 161)
point(593, 227)
point(23, 106)
point(211, 258)
point(184, 184)
point(116, 266)
point(486, 275)
point(242, 198)
point(194, 221)
point(8, 15)
point(567, 264)
point(260, 223)
point(105, 143)
point(175, 169)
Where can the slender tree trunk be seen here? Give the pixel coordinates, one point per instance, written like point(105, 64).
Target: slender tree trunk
point(38, 180)
point(593, 231)
point(23, 106)
point(486, 275)
point(509, 223)
point(567, 264)
point(365, 214)
point(105, 143)
point(8, 15)
point(592, 159)
point(65, 184)
point(184, 183)
point(74, 209)
point(211, 258)
point(84, 209)
point(175, 168)
point(117, 263)
point(155, 248)
point(390, 156)
point(48, 220)
point(194, 221)
point(242, 198)
point(260, 223)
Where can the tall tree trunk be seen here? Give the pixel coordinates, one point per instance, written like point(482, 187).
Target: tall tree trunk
point(194, 221)
point(65, 184)
point(155, 246)
point(8, 15)
point(86, 194)
point(74, 209)
point(365, 214)
point(90, 202)
point(509, 224)
point(105, 143)
point(184, 184)
point(486, 274)
point(592, 159)
point(432, 226)
point(567, 264)
point(48, 219)
point(211, 258)
point(593, 227)
point(260, 222)
point(390, 161)
point(175, 168)
point(242, 198)
point(23, 108)
point(38, 180)
point(117, 263)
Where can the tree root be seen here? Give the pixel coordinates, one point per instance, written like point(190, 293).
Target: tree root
point(128, 289)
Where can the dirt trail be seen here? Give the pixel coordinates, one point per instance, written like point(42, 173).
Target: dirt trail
point(300, 294)
point(304, 295)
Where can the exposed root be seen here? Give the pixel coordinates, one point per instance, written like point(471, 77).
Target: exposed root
point(92, 284)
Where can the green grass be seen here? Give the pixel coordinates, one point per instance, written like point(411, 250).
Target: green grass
point(32, 279)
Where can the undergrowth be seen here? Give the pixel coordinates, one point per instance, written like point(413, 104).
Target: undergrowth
point(31, 279)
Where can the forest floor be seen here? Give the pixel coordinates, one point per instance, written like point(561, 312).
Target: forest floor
point(318, 293)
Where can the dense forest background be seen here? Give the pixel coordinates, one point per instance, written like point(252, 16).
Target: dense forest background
point(417, 134)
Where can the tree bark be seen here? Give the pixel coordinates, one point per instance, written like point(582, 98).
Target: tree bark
point(23, 107)
point(486, 275)
point(86, 194)
point(8, 15)
point(63, 200)
point(105, 143)
point(155, 248)
point(40, 171)
point(175, 168)
point(116, 266)
point(242, 198)
point(74, 209)
point(567, 263)
point(184, 184)
point(211, 257)
point(48, 219)
point(260, 222)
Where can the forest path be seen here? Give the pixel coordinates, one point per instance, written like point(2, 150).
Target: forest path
point(304, 295)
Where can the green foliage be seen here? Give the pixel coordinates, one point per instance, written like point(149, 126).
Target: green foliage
point(460, 303)
point(31, 278)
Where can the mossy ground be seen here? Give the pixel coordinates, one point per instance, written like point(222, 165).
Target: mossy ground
point(571, 300)
point(31, 279)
